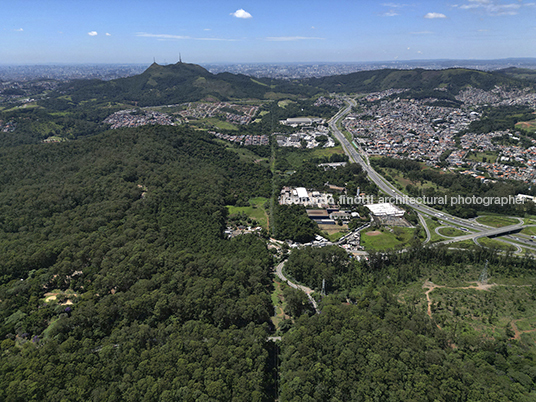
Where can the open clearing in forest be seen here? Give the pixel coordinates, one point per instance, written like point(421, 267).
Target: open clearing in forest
point(494, 310)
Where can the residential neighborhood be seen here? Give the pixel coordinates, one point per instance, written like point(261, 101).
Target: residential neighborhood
point(419, 130)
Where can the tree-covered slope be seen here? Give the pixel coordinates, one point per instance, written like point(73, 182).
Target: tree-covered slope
point(177, 83)
point(418, 79)
point(115, 280)
point(374, 338)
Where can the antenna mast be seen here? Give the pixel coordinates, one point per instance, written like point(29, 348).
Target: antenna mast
point(484, 275)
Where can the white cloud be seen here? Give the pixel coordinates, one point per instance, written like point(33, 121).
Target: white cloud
point(179, 37)
point(92, 33)
point(290, 38)
point(108, 34)
point(241, 14)
point(421, 33)
point(435, 15)
point(19, 30)
point(161, 36)
point(494, 8)
point(395, 5)
point(390, 13)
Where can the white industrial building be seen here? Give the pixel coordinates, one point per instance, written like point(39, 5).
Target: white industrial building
point(385, 209)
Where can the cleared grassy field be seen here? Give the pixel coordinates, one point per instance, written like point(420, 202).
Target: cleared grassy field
point(384, 239)
point(432, 225)
point(296, 158)
point(492, 243)
point(497, 221)
point(451, 232)
point(255, 210)
point(487, 156)
point(528, 126)
point(246, 154)
point(214, 122)
point(531, 231)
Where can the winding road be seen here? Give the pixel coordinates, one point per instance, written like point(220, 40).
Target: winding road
point(308, 291)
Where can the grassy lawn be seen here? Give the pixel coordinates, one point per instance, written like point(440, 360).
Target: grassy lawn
point(333, 232)
point(335, 236)
point(451, 232)
point(496, 221)
point(489, 156)
point(386, 239)
point(432, 225)
point(246, 154)
point(255, 210)
point(297, 157)
point(528, 126)
point(531, 231)
point(283, 103)
point(321, 152)
point(466, 244)
point(492, 243)
point(214, 122)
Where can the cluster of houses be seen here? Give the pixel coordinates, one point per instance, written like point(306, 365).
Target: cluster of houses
point(243, 139)
point(237, 114)
point(416, 129)
point(133, 118)
point(7, 127)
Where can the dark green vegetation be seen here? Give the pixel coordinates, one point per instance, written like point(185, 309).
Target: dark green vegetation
point(418, 80)
point(180, 82)
point(454, 185)
point(291, 222)
point(500, 118)
point(519, 73)
point(383, 346)
point(36, 124)
point(131, 222)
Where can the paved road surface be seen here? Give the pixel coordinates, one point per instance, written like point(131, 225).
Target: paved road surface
point(308, 291)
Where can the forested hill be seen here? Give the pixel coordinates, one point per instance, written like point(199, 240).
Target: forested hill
point(452, 79)
point(115, 280)
point(177, 83)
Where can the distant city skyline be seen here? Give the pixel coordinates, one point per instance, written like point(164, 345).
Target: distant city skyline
point(208, 31)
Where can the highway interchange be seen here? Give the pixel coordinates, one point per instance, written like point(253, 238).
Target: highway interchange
point(475, 230)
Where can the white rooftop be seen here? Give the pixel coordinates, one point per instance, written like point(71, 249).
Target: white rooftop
point(385, 209)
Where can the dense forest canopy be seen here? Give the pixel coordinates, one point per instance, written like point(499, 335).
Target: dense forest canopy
point(124, 230)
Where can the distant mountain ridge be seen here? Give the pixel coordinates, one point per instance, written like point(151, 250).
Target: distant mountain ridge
point(184, 82)
point(174, 83)
point(418, 79)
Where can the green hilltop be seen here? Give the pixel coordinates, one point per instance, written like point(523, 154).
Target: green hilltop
point(452, 79)
point(176, 83)
point(184, 82)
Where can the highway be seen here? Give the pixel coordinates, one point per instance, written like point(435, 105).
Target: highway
point(391, 191)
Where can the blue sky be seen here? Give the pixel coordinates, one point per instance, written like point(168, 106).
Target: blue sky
point(207, 31)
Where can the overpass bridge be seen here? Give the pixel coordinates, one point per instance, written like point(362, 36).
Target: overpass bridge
point(494, 232)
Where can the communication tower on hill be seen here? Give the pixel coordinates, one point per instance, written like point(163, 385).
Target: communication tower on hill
point(484, 275)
